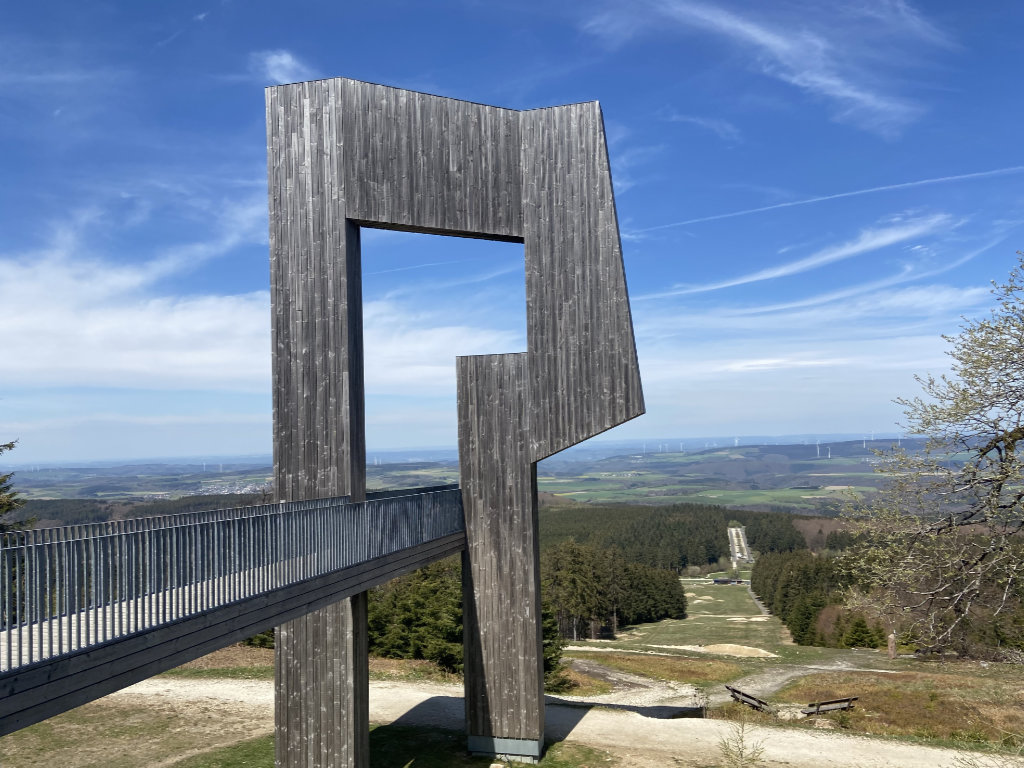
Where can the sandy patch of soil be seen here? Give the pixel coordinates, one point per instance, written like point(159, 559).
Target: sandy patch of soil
point(592, 649)
point(234, 656)
point(724, 649)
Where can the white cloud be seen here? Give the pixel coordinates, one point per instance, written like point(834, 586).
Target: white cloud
point(806, 50)
point(722, 128)
point(868, 240)
point(412, 352)
point(1015, 169)
point(87, 322)
point(279, 66)
point(78, 320)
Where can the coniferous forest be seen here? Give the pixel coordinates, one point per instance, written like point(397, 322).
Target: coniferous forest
point(675, 537)
point(805, 591)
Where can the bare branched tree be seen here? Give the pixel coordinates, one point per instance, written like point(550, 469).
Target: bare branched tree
point(939, 549)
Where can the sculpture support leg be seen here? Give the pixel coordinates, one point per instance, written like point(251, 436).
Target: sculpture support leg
point(321, 709)
point(504, 662)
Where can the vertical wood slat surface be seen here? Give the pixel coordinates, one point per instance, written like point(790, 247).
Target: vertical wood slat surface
point(319, 442)
point(344, 153)
point(583, 367)
point(504, 669)
point(429, 163)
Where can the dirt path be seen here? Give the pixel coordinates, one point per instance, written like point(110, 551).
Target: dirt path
point(658, 698)
point(632, 732)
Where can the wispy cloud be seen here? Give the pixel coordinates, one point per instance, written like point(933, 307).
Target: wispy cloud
point(625, 161)
point(803, 50)
point(839, 195)
point(279, 66)
point(722, 128)
point(423, 288)
point(82, 317)
point(410, 350)
point(867, 241)
point(900, 16)
point(90, 322)
point(937, 302)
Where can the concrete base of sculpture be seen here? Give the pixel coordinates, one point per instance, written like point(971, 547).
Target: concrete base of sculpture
point(513, 750)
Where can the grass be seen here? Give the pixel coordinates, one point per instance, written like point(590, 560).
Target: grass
point(952, 704)
point(696, 671)
point(398, 746)
point(103, 734)
point(718, 614)
point(222, 673)
point(239, 662)
point(580, 684)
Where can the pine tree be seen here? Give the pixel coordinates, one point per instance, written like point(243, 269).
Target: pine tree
point(859, 634)
point(9, 500)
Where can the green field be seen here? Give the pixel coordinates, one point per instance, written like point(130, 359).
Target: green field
point(789, 476)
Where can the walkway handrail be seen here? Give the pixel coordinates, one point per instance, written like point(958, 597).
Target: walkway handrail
point(66, 589)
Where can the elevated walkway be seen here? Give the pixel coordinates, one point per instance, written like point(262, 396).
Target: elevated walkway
point(86, 610)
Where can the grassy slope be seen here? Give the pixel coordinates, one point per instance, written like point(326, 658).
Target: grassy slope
point(398, 746)
point(946, 704)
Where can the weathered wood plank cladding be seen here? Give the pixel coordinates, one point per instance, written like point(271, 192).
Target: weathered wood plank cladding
point(344, 154)
point(584, 376)
point(504, 663)
point(428, 163)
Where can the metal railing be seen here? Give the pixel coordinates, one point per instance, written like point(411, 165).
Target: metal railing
point(66, 589)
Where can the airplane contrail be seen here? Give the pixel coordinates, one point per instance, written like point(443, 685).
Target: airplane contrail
point(838, 195)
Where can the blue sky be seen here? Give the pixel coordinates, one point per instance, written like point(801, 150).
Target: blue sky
point(809, 194)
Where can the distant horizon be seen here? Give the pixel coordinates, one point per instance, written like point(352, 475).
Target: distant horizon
point(594, 446)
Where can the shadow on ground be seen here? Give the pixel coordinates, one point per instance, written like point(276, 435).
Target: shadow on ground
point(431, 733)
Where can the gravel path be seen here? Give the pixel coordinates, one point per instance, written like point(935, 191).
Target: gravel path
point(634, 733)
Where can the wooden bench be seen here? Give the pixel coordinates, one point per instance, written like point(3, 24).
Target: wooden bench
point(818, 707)
point(750, 701)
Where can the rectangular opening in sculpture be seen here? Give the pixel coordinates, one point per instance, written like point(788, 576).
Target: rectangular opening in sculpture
point(426, 299)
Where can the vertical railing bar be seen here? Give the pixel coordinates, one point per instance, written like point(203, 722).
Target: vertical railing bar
point(19, 567)
point(38, 595)
point(218, 581)
point(249, 566)
point(233, 557)
point(179, 610)
point(193, 557)
point(75, 614)
point(107, 561)
point(100, 591)
point(163, 565)
point(160, 556)
point(207, 554)
point(5, 614)
point(65, 612)
point(147, 557)
point(133, 581)
point(122, 579)
point(50, 591)
point(84, 586)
